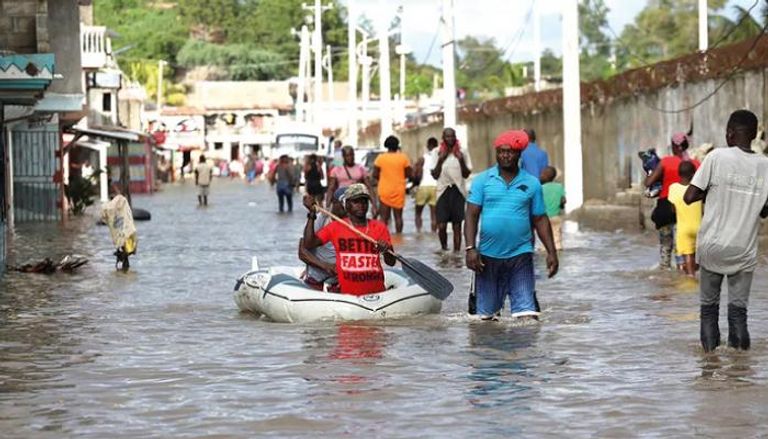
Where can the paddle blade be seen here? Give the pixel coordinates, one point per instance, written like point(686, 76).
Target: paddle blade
point(427, 278)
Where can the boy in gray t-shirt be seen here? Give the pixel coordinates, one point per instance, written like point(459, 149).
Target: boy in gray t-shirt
point(734, 184)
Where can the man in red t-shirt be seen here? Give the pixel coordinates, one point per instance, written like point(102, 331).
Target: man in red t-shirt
point(358, 263)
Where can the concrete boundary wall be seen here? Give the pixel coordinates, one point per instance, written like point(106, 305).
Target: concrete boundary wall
point(616, 126)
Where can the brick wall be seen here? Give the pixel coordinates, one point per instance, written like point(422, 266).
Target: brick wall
point(19, 21)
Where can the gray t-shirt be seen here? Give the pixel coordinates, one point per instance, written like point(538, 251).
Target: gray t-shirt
point(737, 189)
point(325, 253)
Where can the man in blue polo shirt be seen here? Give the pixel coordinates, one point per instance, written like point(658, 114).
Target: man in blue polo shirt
point(533, 159)
point(508, 201)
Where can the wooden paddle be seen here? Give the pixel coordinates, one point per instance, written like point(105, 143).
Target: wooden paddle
point(422, 274)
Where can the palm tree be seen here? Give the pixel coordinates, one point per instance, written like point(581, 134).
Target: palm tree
point(743, 27)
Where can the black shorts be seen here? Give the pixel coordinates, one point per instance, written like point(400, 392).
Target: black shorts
point(450, 206)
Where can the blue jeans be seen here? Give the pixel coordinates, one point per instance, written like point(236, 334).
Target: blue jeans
point(511, 277)
point(285, 194)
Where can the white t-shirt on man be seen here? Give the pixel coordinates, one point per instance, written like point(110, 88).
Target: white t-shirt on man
point(736, 183)
point(430, 161)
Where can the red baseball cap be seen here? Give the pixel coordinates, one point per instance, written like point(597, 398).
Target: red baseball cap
point(517, 139)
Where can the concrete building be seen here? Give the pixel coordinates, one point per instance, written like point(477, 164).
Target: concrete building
point(114, 104)
point(56, 74)
point(41, 93)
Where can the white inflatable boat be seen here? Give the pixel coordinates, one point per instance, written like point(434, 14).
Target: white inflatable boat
point(279, 294)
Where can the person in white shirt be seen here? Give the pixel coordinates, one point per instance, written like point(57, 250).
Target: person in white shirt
point(203, 177)
point(733, 182)
point(426, 195)
point(452, 169)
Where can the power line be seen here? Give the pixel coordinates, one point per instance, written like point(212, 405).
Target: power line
point(522, 31)
point(432, 44)
point(336, 53)
point(746, 15)
point(727, 79)
point(514, 42)
point(734, 70)
point(645, 63)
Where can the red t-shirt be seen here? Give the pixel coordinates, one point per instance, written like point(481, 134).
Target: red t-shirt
point(670, 165)
point(358, 264)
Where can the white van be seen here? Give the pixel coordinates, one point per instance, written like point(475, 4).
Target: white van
point(298, 140)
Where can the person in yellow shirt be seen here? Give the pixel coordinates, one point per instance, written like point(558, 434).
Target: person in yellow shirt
point(392, 169)
point(688, 217)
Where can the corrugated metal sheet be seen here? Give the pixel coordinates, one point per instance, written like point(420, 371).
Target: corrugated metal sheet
point(35, 195)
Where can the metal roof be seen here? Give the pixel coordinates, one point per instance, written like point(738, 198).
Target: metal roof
point(111, 133)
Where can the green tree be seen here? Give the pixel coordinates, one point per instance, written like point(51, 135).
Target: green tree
point(595, 44)
point(551, 65)
point(210, 20)
point(268, 24)
point(240, 62)
point(145, 73)
point(480, 68)
point(664, 29)
point(743, 27)
point(148, 31)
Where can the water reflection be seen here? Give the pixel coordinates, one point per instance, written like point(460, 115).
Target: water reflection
point(500, 373)
point(358, 342)
point(163, 351)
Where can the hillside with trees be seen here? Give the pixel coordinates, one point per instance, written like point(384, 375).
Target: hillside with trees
point(252, 40)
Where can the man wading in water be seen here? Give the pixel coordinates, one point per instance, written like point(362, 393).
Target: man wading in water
point(506, 200)
point(358, 261)
point(733, 182)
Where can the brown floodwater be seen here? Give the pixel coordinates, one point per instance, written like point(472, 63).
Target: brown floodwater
point(162, 351)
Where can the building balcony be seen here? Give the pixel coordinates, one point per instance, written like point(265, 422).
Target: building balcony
point(95, 46)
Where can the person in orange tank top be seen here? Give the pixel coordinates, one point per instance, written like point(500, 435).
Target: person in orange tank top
point(391, 170)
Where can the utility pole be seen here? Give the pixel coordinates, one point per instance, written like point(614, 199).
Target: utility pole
point(385, 88)
point(317, 48)
point(303, 70)
point(308, 113)
point(331, 94)
point(160, 65)
point(402, 50)
point(352, 73)
point(703, 26)
point(365, 63)
point(574, 181)
point(536, 46)
point(449, 78)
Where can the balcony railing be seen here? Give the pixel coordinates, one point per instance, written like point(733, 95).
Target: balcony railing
point(95, 46)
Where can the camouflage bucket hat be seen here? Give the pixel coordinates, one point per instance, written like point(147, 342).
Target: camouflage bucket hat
point(355, 191)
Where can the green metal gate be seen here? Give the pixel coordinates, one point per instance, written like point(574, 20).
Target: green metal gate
point(35, 194)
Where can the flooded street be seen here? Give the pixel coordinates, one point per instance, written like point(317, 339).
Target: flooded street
point(162, 351)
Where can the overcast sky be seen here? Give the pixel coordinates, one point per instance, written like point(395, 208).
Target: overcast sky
point(499, 19)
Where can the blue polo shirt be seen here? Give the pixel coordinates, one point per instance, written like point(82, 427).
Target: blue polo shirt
point(505, 218)
point(534, 159)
